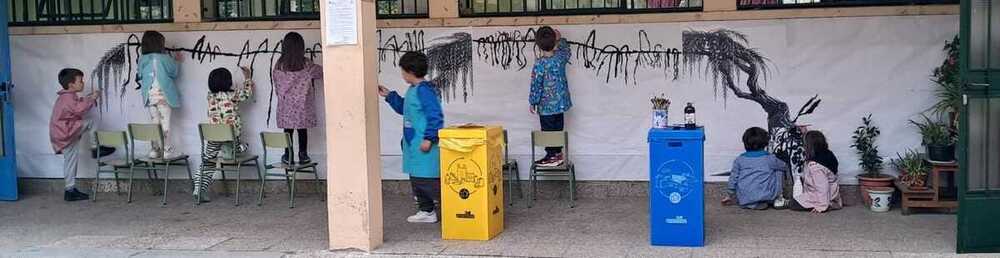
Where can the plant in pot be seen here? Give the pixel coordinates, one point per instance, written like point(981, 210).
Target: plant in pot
point(949, 91)
point(912, 168)
point(938, 138)
point(869, 159)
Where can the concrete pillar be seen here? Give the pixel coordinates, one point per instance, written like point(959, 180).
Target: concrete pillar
point(354, 168)
point(719, 5)
point(187, 11)
point(442, 8)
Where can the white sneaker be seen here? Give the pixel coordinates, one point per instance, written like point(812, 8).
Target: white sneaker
point(170, 153)
point(154, 154)
point(423, 217)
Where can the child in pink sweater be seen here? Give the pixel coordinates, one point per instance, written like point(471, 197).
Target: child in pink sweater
point(67, 126)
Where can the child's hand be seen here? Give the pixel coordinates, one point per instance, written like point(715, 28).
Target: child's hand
point(179, 56)
point(531, 109)
point(383, 91)
point(425, 146)
point(96, 94)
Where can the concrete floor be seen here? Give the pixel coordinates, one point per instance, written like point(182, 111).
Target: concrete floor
point(45, 226)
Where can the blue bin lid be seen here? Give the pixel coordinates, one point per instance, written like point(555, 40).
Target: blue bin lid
point(676, 133)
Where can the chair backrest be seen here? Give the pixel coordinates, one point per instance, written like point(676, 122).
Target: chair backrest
point(549, 139)
point(146, 132)
point(276, 140)
point(111, 139)
point(217, 132)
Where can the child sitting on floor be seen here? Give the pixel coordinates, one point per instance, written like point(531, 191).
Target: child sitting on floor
point(820, 185)
point(756, 179)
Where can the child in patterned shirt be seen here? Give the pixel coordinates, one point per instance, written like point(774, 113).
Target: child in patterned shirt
point(549, 97)
point(223, 108)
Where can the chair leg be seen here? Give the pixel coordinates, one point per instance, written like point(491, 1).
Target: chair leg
point(131, 177)
point(319, 186)
point(238, 177)
point(187, 165)
point(260, 178)
point(118, 186)
point(510, 185)
point(517, 177)
point(225, 186)
point(572, 187)
point(97, 181)
point(166, 180)
point(532, 192)
point(291, 192)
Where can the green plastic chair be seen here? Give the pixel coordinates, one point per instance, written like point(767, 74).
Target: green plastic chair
point(228, 160)
point(511, 172)
point(275, 140)
point(546, 139)
point(116, 139)
point(153, 133)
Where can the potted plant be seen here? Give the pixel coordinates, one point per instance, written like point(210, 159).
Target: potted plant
point(912, 168)
point(938, 139)
point(949, 91)
point(869, 159)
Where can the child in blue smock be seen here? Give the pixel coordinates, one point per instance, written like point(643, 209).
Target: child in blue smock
point(422, 118)
point(755, 181)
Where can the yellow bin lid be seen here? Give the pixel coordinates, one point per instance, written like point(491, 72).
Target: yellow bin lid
point(470, 131)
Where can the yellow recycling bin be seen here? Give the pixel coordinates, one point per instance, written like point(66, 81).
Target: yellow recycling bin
point(471, 182)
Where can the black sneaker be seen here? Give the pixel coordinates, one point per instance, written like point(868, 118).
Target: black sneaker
point(77, 191)
point(73, 195)
point(101, 151)
point(304, 158)
point(285, 159)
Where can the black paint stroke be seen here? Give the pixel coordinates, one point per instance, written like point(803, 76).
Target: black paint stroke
point(118, 62)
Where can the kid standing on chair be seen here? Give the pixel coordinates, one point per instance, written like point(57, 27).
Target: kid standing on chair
point(549, 96)
point(293, 84)
point(422, 118)
point(157, 74)
point(67, 126)
point(223, 108)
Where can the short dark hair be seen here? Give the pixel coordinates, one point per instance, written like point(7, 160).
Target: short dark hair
point(815, 141)
point(220, 80)
point(153, 42)
point(755, 139)
point(414, 63)
point(68, 75)
point(545, 38)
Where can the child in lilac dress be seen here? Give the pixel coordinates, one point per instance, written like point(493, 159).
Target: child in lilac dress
point(293, 84)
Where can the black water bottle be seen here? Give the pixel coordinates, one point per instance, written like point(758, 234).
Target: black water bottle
point(689, 121)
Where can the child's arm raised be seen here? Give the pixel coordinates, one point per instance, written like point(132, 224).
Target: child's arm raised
point(563, 53)
point(395, 101)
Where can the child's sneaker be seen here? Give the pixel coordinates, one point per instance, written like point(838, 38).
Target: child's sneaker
point(285, 159)
point(154, 154)
point(423, 217)
point(555, 161)
point(760, 206)
point(304, 158)
point(169, 153)
point(781, 203)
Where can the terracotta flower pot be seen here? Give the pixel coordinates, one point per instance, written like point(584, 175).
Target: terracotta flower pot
point(869, 182)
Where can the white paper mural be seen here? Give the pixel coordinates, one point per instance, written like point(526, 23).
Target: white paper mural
point(738, 74)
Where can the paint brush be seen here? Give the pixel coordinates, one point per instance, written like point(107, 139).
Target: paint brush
point(660, 102)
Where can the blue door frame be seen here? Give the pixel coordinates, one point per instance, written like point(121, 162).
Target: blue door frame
point(8, 162)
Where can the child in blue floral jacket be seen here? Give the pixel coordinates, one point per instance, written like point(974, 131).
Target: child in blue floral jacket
point(549, 97)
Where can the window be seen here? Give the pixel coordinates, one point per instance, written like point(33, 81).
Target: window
point(235, 10)
point(570, 7)
point(772, 4)
point(82, 12)
point(387, 9)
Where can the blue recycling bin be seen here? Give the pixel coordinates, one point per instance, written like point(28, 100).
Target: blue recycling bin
point(676, 197)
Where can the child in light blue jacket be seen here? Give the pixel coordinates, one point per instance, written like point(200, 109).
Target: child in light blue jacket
point(157, 73)
point(422, 118)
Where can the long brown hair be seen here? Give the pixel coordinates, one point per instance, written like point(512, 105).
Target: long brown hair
point(814, 142)
point(293, 53)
